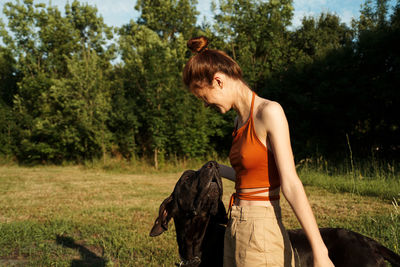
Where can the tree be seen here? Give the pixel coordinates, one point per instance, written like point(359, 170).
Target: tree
point(168, 17)
point(342, 86)
point(170, 121)
point(53, 52)
point(317, 37)
point(150, 81)
point(8, 86)
point(372, 16)
point(256, 35)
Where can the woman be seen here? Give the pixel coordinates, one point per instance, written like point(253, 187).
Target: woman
point(262, 161)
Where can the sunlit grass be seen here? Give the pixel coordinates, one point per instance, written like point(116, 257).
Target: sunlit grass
point(366, 178)
point(91, 215)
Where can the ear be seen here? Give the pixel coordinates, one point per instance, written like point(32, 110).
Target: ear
point(219, 80)
point(165, 214)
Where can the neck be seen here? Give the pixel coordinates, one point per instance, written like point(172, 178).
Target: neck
point(242, 103)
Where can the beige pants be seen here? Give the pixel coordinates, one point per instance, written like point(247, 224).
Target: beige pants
point(255, 236)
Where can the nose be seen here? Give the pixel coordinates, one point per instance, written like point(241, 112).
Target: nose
point(206, 104)
point(212, 164)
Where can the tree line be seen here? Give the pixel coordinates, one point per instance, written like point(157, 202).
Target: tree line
point(73, 88)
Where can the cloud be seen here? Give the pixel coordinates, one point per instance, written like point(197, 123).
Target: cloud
point(298, 16)
point(114, 7)
point(345, 9)
point(346, 16)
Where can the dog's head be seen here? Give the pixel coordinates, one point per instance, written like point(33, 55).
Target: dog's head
point(195, 201)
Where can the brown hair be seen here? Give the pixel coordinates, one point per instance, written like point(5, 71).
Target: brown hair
point(201, 68)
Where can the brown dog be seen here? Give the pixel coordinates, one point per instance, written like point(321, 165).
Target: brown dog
point(200, 217)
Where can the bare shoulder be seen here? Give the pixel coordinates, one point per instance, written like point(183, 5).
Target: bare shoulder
point(269, 110)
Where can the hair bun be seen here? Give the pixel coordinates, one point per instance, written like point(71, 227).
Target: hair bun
point(198, 44)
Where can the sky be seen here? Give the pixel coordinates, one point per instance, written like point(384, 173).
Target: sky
point(119, 12)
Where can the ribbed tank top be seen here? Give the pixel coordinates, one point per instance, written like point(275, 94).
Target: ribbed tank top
point(253, 162)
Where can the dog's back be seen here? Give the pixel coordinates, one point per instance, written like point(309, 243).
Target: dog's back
point(346, 249)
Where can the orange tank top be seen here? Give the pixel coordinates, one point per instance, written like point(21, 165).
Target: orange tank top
point(253, 162)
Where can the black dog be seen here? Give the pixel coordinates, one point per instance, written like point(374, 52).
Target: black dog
point(346, 248)
point(200, 217)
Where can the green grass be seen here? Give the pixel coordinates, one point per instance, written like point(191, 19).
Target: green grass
point(366, 177)
point(146, 165)
point(379, 187)
point(95, 216)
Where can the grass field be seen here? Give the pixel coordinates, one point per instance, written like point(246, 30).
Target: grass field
point(75, 216)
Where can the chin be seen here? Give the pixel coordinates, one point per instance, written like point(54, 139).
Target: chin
point(224, 110)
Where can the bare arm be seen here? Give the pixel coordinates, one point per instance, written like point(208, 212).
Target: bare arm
point(227, 172)
point(277, 127)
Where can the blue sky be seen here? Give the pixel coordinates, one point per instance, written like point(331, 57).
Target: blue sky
point(119, 12)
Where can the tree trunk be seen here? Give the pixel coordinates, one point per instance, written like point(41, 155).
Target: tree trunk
point(155, 158)
point(103, 146)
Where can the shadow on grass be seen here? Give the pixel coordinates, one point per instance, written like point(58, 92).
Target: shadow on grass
point(89, 258)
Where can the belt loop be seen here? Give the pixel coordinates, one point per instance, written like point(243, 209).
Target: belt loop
point(243, 215)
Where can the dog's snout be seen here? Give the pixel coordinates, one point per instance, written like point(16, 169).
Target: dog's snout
point(212, 164)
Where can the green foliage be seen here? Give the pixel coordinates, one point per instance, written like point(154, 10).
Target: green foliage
point(372, 16)
point(63, 97)
point(168, 17)
point(7, 127)
point(83, 100)
point(316, 87)
point(8, 87)
point(256, 35)
point(315, 38)
point(62, 102)
point(342, 86)
point(170, 121)
point(8, 77)
point(123, 121)
point(147, 59)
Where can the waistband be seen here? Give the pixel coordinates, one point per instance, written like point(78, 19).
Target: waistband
point(250, 196)
point(253, 212)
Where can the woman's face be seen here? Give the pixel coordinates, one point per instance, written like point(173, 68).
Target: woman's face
point(212, 97)
point(215, 96)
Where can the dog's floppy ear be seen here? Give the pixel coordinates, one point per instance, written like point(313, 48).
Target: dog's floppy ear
point(165, 214)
